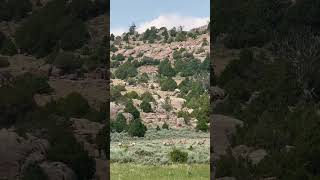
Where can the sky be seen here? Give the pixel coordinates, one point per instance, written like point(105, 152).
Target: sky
point(169, 13)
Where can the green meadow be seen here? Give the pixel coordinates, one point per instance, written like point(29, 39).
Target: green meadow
point(130, 171)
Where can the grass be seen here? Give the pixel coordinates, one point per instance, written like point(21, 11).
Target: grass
point(150, 150)
point(129, 171)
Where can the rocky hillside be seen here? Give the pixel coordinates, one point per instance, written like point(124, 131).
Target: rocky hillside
point(156, 71)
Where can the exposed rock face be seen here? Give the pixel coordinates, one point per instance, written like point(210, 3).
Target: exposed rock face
point(257, 155)
point(128, 117)
point(58, 171)
point(115, 109)
point(162, 51)
point(17, 152)
point(217, 92)
point(241, 151)
point(42, 99)
point(223, 127)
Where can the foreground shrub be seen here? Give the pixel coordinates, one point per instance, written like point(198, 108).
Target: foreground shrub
point(126, 70)
point(14, 9)
point(137, 128)
point(120, 124)
point(130, 108)
point(74, 105)
point(202, 125)
point(65, 148)
point(52, 27)
point(34, 172)
point(165, 126)
point(178, 156)
point(146, 107)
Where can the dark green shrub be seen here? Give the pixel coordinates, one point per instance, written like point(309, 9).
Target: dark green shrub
point(130, 58)
point(202, 125)
point(14, 103)
point(114, 64)
point(150, 34)
point(65, 148)
point(132, 29)
point(115, 92)
point(33, 83)
point(120, 124)
point(147, 96)
point(178, 156)
point(187, 67)
point(143, 78)
point(166, 69)
point(146, 107)
point(126, 70)
point(74, 35)
point(130, 108)
point(137, 128)
point(113, 48)
point(67, 62)
point(165, 126)
point(14, 9)
point(52, 27)
point(119, 57)
point(168, 84)
point(73, 105)
point(7, 47)
point(173, 32)
point(34, 172)
point(132, 95)
point(181, 36)
point(4, 62)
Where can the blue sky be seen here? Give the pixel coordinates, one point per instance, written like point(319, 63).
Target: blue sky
point(146, 13)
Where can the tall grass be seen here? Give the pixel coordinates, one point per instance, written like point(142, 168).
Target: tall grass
point(171, 172)
point(151, 150)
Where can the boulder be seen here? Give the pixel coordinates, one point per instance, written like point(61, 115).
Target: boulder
point(223, 127)
point(18, 152)
point(241, 151)
point(128, 117)
point(257, 155)
point(180, 122)
point(217, 92)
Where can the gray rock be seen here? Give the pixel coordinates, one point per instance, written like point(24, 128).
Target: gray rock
point(17, 152)
point(257, 155)
point(223, 127)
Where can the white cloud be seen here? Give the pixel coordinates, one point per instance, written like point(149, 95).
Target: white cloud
point(169, 21)
point(174, 20)
point(118, 31)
